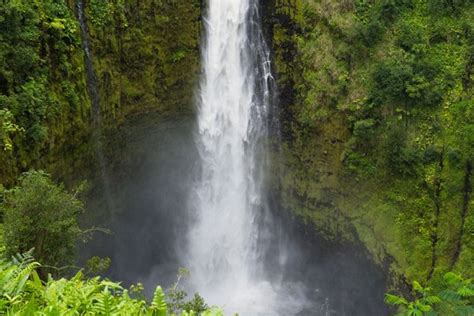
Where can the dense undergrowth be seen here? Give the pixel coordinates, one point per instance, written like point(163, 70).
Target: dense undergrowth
point(44, 107)
point(454, 297)
point(23, 292)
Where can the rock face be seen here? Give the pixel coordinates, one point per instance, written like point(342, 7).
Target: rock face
point(376, 106)
point(145, 57)
point(146, 60)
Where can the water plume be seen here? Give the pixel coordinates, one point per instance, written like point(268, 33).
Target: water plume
point(229, 234)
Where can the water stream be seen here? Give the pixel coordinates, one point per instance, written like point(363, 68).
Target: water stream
point(203, 203)
point(226, 248)
point(92, 88)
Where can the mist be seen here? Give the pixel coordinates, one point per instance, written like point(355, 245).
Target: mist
point(194, 193)
point(150, 184)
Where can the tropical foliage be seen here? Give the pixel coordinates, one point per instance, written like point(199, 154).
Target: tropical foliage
point(22, 292)
point(456, 297)
point(40, 215)
point(42, 89)
point(378, 124)
point(379, 127)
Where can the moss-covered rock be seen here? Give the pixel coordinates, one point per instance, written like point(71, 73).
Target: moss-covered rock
point(377, 105)
point(145, 57)
point(43, 85)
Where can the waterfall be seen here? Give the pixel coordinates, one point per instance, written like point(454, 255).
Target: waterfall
point(225, 251)
point(90, 73)
point(92, 88)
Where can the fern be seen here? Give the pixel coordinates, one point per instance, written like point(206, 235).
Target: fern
point(158, 304)
point(465, 292)
point(395, 300)
point(13, 275)
point(454, 299)
point(23, 293)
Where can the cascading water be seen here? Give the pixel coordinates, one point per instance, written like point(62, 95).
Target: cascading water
point(240, 256)
point(225, 248)
point(94, 95)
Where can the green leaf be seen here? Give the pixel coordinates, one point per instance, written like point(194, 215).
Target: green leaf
point(158, 304)
point(432, 299)
point(452, 278)
point(395, 300)
point(465, 292)
point(417, 287)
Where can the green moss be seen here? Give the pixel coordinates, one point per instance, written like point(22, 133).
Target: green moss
point(146, 56)
point(42, 84)
point(372, 94)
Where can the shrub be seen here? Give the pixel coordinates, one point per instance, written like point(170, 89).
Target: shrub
point(41, 215)
point(390, 79)
point(454, 297)
point(401, 159)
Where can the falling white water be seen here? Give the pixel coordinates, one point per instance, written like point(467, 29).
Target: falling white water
point(224, 252)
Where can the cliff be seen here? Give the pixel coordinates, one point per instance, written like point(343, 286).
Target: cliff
point(145, 58)
point(377, 106)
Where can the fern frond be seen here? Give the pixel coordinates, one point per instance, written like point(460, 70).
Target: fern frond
point(450, 295)
point(158, 304)
point(432, 299)
point(417, 287)
point(395, 300)
point(465, 292)
point(23, 276)
point(452, 278)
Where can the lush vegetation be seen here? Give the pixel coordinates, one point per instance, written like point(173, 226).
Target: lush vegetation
point(379, 127)
point(455, 298)
point(40, 220)
point(378, 124)
point(22, 292)
point(43, 101)
point(39, 215)
point(145, 56)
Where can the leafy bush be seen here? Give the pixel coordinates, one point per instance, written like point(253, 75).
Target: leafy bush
point(7, 129)
point(376, 16)
point(100, 12)
point(22, 292)
point(41, 215)
point(447, 6)
point(400, 158)
point(390, 80)
point(455, 297)
point(364, 131)
point(412, 36)
point(407, 83)
point(177, 298)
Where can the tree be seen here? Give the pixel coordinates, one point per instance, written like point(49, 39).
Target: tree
point(41, 215)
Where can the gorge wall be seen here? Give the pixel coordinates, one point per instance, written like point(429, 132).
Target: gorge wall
point(376, 102)
point(377, 107)
point(145, 57)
